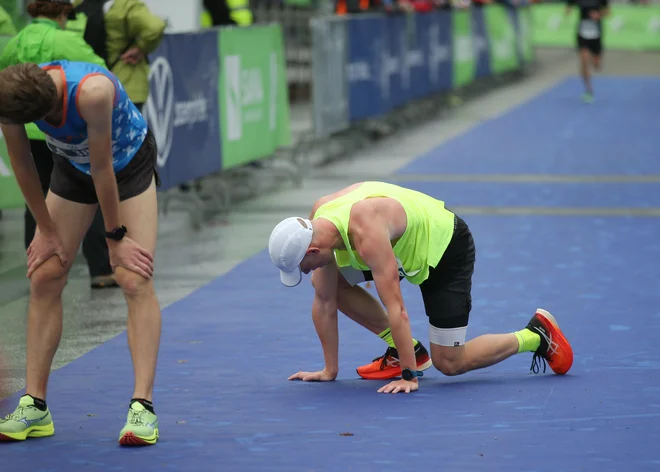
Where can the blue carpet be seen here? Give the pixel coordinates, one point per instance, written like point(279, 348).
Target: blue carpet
point(556, 133)
point(227, 349)
point(573, 195)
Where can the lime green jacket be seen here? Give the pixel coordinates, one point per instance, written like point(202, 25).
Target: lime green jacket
point(43, 41)
point(7, 27)
point(129, 23)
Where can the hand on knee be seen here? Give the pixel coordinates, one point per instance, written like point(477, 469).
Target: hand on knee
point(49, 278)
point(133, 285)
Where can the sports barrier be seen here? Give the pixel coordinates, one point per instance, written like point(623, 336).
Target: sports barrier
point(219, 100)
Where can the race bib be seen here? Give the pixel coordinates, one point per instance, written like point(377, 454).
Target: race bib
point(78, 153)
point(589, 29)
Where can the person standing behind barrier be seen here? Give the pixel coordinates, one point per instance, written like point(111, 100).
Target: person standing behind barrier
point(7, 27)
point(123, 32)
point(45, 40)
point(589, 38)
point(229, 12)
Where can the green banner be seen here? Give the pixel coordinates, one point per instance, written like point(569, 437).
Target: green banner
point(253, 94)
point(526, 33)
point(627, 27)
point(502, 36)
point(10, 193)
point(464, 60)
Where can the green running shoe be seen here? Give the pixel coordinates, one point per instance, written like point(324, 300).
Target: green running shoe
point(27, 421)
point(141, 427)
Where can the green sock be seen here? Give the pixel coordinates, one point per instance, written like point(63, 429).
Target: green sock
point(387, 337)
point(528, 341)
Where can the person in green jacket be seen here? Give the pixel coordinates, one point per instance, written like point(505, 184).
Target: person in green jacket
point(43, 40)
point(7, 27)
point(132, 32)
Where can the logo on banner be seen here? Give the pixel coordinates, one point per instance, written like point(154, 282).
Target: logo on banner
point(464, 50)
point(654, 24)
point(438, 53)
point(4, 170)
point(389, 65)
point(480, 44)
point(159, 108)
point(163, 112)
point(504, 46)
point(359, 71)
point(410, 58)
point(245, 95)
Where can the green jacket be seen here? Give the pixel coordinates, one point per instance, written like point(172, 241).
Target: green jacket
point(129, 23)
point(7, 27)
point(43, 41)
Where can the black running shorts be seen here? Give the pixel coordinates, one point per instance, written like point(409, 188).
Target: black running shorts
point(71, 184)
point(594, 46)
point(447, 292)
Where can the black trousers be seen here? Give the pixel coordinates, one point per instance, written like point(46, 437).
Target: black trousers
point(94, 246)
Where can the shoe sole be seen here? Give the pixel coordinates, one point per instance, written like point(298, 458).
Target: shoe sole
point(393, 373)
point(130, 439)
point(562, 342)
point(34, 432)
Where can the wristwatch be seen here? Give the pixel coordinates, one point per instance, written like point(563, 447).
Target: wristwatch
point(116, 234)
point(409, 374)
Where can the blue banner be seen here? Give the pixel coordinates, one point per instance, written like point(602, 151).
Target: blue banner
point(183, 107)
point(480, 43)
point(415, 71)
point(368, 76)
point(394, 54)
point(436, 30)
point(395, 59)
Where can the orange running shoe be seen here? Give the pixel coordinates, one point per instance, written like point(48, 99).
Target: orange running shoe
point(554, 347)
point(387, 366)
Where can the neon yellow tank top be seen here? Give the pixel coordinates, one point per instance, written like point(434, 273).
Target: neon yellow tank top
point(428, 232)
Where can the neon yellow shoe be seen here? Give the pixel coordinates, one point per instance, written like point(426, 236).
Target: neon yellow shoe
point(141, 427)
point(27, 421)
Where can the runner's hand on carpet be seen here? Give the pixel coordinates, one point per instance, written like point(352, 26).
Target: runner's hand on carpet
point(320, 376)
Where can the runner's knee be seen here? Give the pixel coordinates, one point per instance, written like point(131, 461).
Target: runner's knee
point(447, 366)
point(133, 284)
point(448, 360)
point(49, 278)
point(448, 349)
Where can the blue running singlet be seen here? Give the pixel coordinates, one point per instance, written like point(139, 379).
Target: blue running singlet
point(70, 139)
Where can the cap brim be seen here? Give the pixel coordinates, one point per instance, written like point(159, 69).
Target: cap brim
point(291, 279)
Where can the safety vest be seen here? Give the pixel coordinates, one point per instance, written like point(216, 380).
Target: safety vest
point(239, 11)
point(342, 8)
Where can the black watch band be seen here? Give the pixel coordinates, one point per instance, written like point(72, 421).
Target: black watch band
point(409, 374)
point(116, 234)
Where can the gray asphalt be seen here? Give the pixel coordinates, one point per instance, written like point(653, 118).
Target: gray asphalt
point(188, 259)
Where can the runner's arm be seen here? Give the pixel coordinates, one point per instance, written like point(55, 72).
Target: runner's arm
point(26, 174)
point(96, 104)
point(371, 239)
point(324, 315)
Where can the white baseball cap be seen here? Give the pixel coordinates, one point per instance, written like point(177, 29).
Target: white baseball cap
point(287, 246)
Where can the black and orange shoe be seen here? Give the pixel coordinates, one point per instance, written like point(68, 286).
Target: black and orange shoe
point(387, 366)
point(554, 347)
